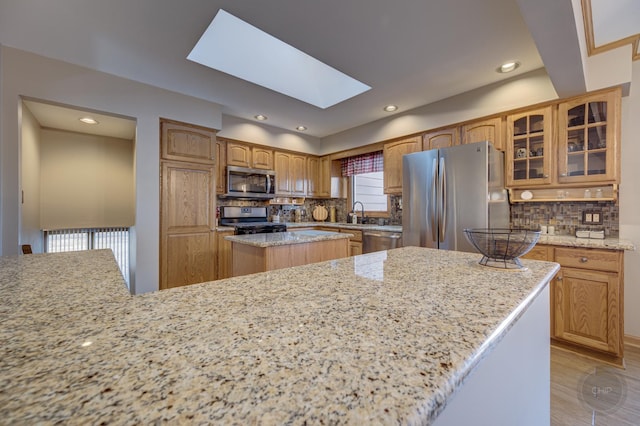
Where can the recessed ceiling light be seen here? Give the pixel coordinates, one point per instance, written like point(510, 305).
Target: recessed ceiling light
point(390, 108)
point(508, 66)
point(260, 117)
point(88, 120)
point(301, 128)
point(236, 47)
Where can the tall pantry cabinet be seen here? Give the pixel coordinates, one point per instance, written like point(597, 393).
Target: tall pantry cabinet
point(187, 204)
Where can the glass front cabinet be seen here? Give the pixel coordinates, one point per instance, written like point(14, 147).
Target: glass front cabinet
point(588, 135)
point(529, 149)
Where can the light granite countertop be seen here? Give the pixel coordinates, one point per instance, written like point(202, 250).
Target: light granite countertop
point(571, 241)
point(555, 240)
point(340, 225)
point(380, 338)
point(286, 238)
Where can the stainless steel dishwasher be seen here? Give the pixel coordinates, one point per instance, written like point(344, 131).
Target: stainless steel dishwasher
point(380, 240)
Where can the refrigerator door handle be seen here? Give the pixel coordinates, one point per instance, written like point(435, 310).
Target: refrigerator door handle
point(443, 199)
point(434, 193)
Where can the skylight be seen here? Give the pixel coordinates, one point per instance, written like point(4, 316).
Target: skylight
point(235, 47)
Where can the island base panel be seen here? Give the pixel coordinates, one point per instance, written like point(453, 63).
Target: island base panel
point(248, 259)
point(511, 386)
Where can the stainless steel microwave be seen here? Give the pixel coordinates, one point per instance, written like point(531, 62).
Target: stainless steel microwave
point(250, 183)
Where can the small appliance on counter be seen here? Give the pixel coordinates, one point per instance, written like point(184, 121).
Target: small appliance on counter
point(249, 220)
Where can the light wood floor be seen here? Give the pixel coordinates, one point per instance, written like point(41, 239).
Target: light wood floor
point(569, 370)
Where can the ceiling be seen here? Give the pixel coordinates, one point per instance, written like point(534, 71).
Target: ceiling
point(411, 55)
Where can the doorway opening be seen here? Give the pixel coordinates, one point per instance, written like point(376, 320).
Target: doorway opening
point(77, 180)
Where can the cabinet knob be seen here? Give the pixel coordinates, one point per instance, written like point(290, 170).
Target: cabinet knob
point(583, 259)
point(546, 176)
point(559, 278)
point(563, 174)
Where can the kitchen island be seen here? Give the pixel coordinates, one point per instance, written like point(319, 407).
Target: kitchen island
point(253, 253)
point(390, 337)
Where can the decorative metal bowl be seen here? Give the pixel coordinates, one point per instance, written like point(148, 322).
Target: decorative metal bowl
point(502, 247)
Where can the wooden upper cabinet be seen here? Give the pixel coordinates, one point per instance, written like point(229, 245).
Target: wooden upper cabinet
point(261, 158)
point(314, 180)
point(529, 148)
point(589, 139)
point(441, 139)
point(291, 174)
point(393, 153)
point(238, 154)
point(485, 130)
point(298, 175)
point(282, 166)
point(185, 142)
point(253, 157)
point(221, 162)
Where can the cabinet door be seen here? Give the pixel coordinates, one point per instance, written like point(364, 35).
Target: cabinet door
point(282, 162)
point(314, 182)
point(529, 149)
point(262, 158)
point(298, 175)
point(486, 130)
point(221, 167)
point(587, 309)
point(588, 142)
point(441, 139)
point(355, 248)
point(238, 155)
point(184, 142)
point(224, 259)
point(187, 221)
point(393, 153)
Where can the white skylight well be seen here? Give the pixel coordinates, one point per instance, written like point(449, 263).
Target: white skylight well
point(235, 47)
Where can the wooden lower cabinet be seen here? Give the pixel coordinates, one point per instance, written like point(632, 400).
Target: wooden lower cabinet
point(248, 259)
point(587, 313)
point(587, 309)
point(355, 242)
point(224, 259)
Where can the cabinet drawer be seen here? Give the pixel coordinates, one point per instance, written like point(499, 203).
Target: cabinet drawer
point(540, 252)
point(357, 235)
point(602, 260)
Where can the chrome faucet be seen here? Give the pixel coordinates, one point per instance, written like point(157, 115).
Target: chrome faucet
point(362, 211)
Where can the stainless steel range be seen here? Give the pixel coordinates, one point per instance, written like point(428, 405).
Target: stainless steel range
point(249, 220)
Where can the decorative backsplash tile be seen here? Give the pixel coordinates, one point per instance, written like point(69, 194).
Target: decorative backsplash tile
point(565, 216)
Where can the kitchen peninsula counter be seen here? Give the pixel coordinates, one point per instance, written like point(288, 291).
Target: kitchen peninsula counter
point(389, 337)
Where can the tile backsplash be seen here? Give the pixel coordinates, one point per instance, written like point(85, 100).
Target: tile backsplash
point(565, 216)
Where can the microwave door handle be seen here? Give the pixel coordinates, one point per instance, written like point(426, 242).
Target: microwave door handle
point(268, 184)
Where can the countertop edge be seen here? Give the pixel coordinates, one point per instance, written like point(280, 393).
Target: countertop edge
point(249, 239)
point(459, 379)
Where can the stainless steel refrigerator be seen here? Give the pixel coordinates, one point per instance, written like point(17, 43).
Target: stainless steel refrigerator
point(449, 189)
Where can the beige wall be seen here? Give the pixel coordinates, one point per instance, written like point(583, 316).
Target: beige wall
point(30, 181)
point(630, 202)
point(86, 181)
point(249, 131)
point(37, 77)
point(528, 89)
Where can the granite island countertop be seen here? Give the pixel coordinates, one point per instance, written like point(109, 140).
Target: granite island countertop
point(380, 338)
point(285, 238)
